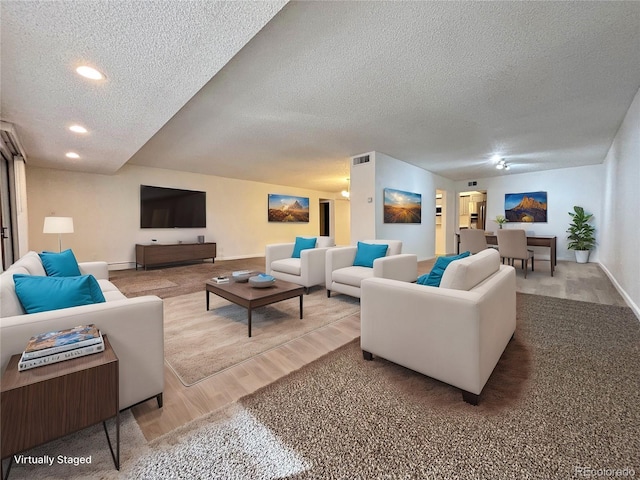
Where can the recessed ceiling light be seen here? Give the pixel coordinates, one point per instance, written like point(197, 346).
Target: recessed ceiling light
point(89, 72)
point(496, 158)
point(72, 155)
point(78, 129)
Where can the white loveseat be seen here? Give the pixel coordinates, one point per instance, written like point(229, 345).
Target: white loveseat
point(343, 277)
point(134, 327)
point(308, 270)
point(455, 333)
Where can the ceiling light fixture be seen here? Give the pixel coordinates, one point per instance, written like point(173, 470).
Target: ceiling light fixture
point(89, 72)
point(78, 129)
point(502, 165)
point(72, 155)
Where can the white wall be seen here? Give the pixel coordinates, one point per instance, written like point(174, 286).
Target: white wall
point(106, 212)
point(362, 194)
point(342, 207)
point(396, 174)
point(565, 188)
point(619, 254)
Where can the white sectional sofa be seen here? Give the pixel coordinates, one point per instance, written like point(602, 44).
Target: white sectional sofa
point(134, 327)
point(455, 333)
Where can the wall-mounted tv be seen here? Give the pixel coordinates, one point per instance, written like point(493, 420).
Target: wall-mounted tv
point(162, 207)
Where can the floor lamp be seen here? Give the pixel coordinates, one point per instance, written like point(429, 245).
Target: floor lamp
point(58, 225)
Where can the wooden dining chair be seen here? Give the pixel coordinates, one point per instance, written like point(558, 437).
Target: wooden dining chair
point(512, 245)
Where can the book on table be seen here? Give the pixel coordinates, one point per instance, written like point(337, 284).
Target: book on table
point(27, 364)
point(62, 340)
point(220, 279)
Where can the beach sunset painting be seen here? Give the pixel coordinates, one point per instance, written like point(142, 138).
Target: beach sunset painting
point(402, 207)
point(288, 208)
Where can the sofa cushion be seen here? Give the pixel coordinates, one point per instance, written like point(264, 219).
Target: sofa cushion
point(469, 272)
point(32, 263)
point(351, 275)
point(324, 242)
point(9, 302)
point(63, 264)
point(303, 243)
point(368, 252)
point(41, 294)
point(434, 277)
point(287, 265)
point(113, 295)
point(107, 286)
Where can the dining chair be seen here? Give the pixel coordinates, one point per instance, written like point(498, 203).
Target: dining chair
point(512, 245)
point(472, 240)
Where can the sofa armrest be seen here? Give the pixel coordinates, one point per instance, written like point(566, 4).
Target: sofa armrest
point(338, 257)
point(135, 329)
point(277, 251)
point(100, 270)
point(403, 267)
point(312, 265)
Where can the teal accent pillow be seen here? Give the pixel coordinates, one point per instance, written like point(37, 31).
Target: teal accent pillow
point(368, 252)
point(434, 277)
point(41, 294)
point(63, 264)
point(302, 244)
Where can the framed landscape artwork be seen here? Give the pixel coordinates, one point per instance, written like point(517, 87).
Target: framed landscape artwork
point(527, 207)
point(288, 208)
point(402, 207)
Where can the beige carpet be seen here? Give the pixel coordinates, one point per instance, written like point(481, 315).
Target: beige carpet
point(200, 343)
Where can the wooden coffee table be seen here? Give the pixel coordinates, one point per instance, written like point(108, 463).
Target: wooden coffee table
point(249, 297)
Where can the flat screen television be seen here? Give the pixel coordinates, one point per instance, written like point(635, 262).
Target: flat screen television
point(162, 207)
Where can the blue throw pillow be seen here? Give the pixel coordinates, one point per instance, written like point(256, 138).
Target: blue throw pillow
point(434, 277)
point(303, 244)
point(368, 252)
point(63, 264)
point(41, 294)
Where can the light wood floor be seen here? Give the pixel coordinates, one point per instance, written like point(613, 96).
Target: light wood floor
point(184, 404)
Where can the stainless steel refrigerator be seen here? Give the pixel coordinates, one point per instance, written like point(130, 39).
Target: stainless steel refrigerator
point(478, 220)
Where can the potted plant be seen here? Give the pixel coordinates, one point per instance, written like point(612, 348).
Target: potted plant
point(501, 220)
point(581, 234)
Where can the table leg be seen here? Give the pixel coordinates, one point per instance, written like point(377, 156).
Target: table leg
point(8, 468)
point(207, 300)
point(115, 455)
point(249, 320)
point(301, 307)
point(553, 260)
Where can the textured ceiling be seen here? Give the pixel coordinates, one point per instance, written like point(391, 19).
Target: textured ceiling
point(155, 54)
point(442, 85)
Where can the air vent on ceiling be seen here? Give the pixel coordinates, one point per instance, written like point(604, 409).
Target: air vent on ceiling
point(361, 160)
point(9, 142)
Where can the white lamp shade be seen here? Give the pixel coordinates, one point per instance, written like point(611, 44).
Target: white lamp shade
point(58, 225)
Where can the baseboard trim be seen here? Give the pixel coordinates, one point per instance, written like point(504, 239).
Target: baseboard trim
point(621, 291)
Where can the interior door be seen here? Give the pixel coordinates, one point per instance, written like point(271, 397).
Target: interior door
point(6, 243)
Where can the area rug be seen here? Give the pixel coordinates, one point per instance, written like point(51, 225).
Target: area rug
point(199, 343)
point(562, 403)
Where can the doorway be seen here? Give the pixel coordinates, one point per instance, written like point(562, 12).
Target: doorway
point(325, 218)
point(6, 223)
point(441, 223)
point(473, 210)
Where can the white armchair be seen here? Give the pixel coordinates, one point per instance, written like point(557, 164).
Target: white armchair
point(308, 270)
point(455, 333)
point(343, 277)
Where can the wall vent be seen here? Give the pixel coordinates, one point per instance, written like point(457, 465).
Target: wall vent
point(361, 160)
point(472, 184)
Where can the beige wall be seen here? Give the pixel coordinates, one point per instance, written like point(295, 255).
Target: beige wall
point(106, 213)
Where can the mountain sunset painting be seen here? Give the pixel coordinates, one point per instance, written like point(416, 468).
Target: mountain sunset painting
point(526, 207)
point(402, 207)
point(287, 208)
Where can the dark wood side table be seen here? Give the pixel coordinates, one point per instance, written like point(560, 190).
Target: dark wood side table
point(46, 403)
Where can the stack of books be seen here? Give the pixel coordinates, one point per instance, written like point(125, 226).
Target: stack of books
point(60, 345)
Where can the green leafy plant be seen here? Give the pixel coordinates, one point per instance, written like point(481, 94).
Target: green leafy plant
point(501, 220)
point(581, 233)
